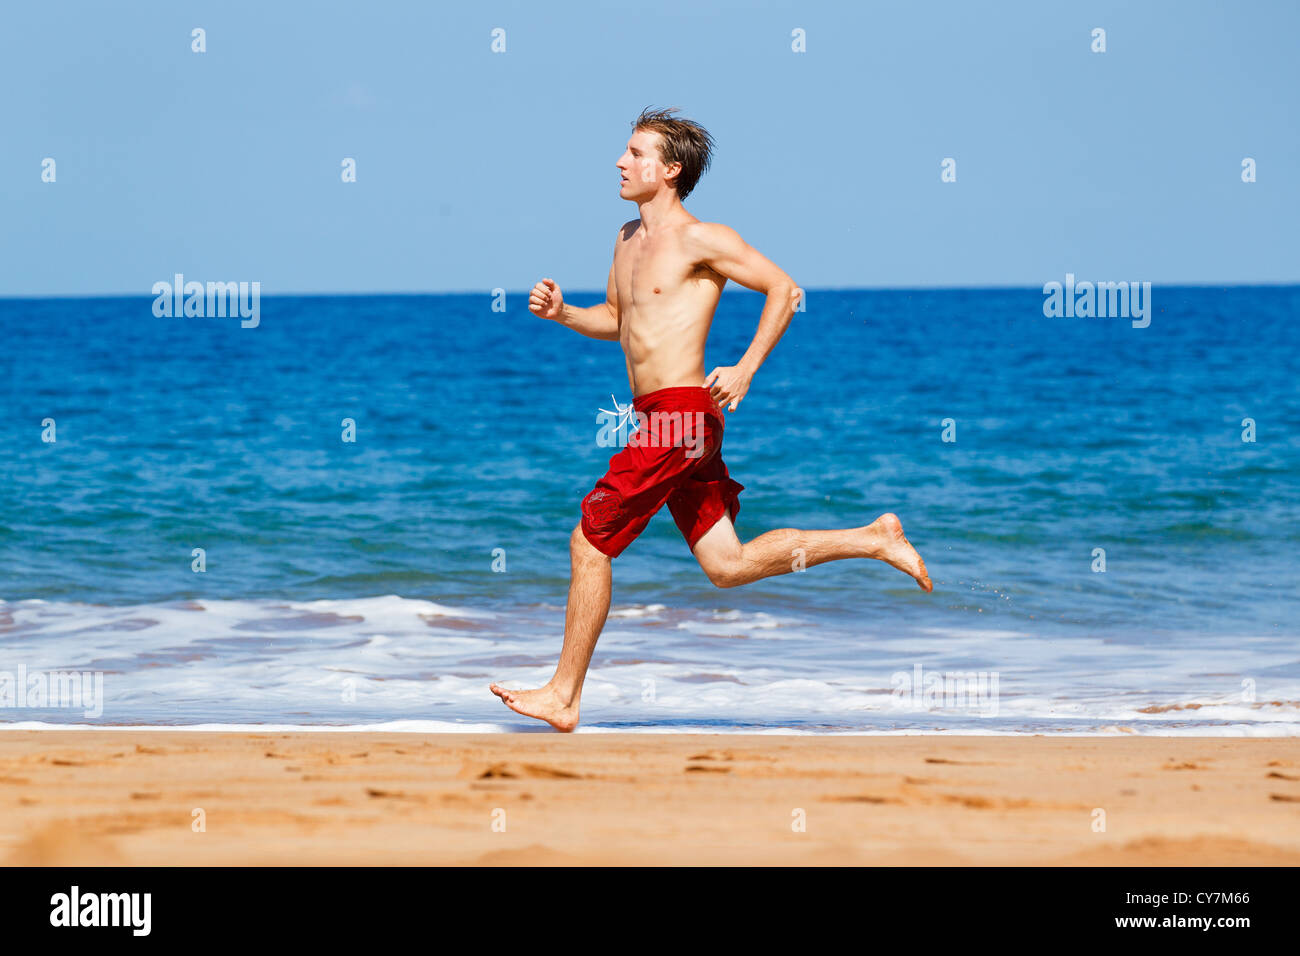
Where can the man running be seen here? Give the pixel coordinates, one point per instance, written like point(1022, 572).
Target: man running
point(668, 273)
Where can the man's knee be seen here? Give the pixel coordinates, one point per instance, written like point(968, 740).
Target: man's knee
point(581, 548)
point(723, 572)
point(721, 555)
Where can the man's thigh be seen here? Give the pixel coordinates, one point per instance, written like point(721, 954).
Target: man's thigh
point(703, 500)
point(638, 483)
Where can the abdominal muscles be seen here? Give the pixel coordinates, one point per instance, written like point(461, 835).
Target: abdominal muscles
point(664, 339)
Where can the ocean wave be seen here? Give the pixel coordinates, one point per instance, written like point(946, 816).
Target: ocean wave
point(384, 658)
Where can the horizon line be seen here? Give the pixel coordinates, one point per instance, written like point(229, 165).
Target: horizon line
point(732, 289)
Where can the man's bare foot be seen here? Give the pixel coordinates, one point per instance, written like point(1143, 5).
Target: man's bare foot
point(543, 703)
point(893, 548)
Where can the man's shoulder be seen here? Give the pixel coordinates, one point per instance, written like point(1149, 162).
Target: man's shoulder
point(709, 235)
point(708, 228)
point(625, 231)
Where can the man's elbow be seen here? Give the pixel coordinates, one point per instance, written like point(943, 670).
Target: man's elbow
point(786, 291)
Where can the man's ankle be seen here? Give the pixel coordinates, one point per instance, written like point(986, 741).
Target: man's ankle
point(566, 697)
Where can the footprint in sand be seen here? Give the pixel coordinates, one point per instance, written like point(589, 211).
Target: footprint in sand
point(508, 771)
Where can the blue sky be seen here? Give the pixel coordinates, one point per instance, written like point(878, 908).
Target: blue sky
point(478, 170)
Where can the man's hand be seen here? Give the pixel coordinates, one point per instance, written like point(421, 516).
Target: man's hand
point(546, 300)
point(728, 384)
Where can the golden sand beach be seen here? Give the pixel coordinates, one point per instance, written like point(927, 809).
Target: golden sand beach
point(192, 798)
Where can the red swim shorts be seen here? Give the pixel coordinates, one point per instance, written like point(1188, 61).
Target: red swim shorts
point(674, 457)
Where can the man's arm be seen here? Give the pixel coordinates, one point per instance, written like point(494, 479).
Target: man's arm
point(722, 250)
point(597, 322)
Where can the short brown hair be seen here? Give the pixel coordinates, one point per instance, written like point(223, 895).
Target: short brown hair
point(683, 141)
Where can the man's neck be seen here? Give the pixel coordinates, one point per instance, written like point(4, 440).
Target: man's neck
point(660, 211)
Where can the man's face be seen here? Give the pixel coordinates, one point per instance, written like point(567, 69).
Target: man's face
point(640, 168)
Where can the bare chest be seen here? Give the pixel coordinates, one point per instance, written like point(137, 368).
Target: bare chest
point(647, 273)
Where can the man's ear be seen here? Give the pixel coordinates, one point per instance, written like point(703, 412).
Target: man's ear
point(671, 173)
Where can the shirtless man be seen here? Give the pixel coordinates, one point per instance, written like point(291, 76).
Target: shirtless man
point(668, 272)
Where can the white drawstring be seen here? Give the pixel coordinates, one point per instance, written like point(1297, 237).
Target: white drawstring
point(625, 413)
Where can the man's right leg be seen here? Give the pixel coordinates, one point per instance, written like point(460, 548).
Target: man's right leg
point(589, 594)
point(729, 564)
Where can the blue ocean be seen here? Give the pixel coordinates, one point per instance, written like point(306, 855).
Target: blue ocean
point(1110, 514)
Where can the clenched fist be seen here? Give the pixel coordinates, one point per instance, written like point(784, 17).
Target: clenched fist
point(546, 300)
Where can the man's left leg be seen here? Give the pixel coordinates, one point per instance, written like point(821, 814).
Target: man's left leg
point(589, 594)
